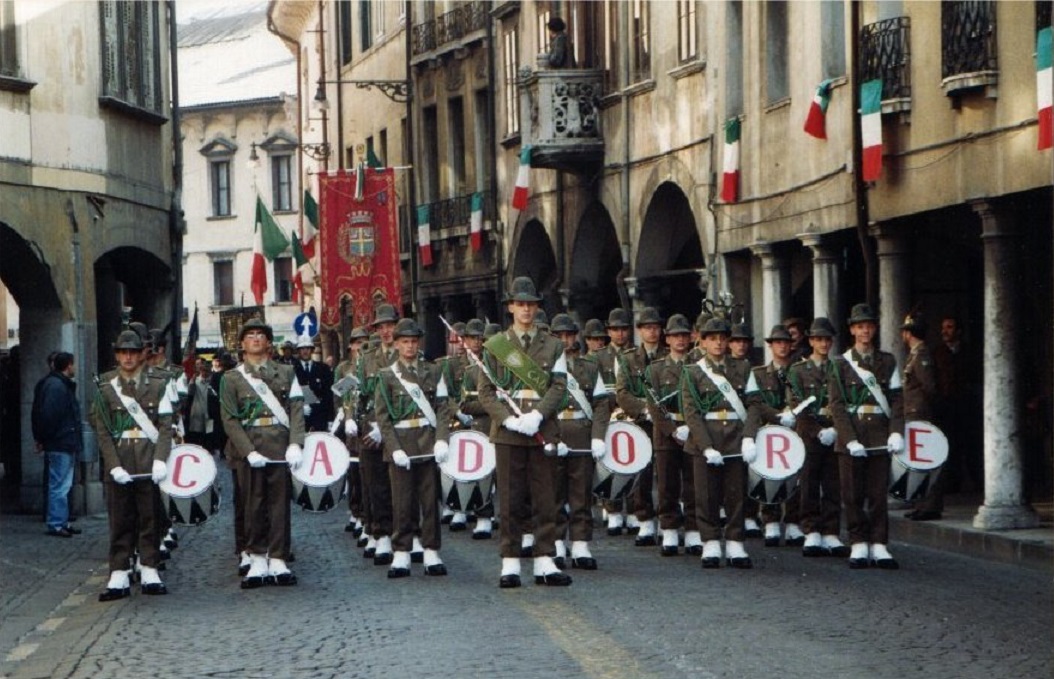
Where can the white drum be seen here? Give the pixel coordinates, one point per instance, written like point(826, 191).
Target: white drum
point(913, 470)
point(628, 453)
point(318, 483)
point(188, 493)
point(772, 477)
point(467, 474)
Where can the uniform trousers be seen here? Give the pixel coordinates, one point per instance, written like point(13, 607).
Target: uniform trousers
point(415, 505)
point(574, 488)
point(675, 474)
point(641, 501)
point(267, 497)
point(716, 487)
point(240, 479)
point(133, 522)
point(377, 486)
point(865, 479)
point(820, 492)
point(522, 470)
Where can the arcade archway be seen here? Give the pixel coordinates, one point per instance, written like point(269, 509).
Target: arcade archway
point(669, 255)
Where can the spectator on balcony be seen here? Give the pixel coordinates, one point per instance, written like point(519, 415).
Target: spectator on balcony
point(560, 53)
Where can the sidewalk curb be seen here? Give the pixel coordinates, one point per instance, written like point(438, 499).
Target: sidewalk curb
point(960, 537)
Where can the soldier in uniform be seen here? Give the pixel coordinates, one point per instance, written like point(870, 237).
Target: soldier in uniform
point(472, 414)
point(799, 339)
point(868, 412)
point(318, 378)
point(263, 415)
point(348, 407)
point(583, 420)
point(920, 389)
point(529, 366)
point(287, 353)
point(713, 396)
point(632, 396)
point(411, 401)
point(820, 494)
point(452, 367)
point(157, 360)
point(132, 419)
point(595, 336)
point(618, 327)
point(673, 467)
point(740, 342)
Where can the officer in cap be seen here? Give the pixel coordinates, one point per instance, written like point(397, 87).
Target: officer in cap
point(471, 413)
point(595, 336)
point(346, 409)
point(541, 320)
point(619, 327)
point(317, 378)
point(287, 353)
point(920, 388)
point(740, 344)
point(179, 390)
point(452, 367)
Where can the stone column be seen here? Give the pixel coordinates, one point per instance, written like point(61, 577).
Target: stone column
point(824, 282)
point(894, 300)
point(1004, 499)
point(773, 287)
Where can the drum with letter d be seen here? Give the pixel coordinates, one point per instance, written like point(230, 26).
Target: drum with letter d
point(318, 483)
point(467, 474)
point(187, 493)
point(913, 470)
point(772, 477)
point(628, 453)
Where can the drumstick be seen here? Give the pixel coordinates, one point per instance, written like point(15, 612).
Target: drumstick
point(571, 452)
point(140, 477)
point(420, 457)
point(803, 405)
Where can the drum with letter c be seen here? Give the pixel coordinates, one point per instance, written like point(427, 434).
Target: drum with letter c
point(628, 453)
point(318, 483)
point(187, 493)
point(913, 470)
point(772, 477)
point(467, 474)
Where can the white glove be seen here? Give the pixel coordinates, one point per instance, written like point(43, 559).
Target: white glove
point(350, 428)
point(895, 444)
point(158, 471)
point(256, 460)
point(464, 418)
point(441, 451)
point(513, 423)
point(121, 476)
point(749, 450)
point(827, 436)
point(856, 449)
point(562, 449)
point(307, 410)
point(530, 422)
point(713, 457)
point(787, 419)
point(681, 433)
point(647, 415)
point(401, 459)
point(294, 455)
point(374, 434)
point(598, 448)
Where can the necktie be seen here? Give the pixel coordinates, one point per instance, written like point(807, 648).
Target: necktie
point(526, 339)
point(412, 370)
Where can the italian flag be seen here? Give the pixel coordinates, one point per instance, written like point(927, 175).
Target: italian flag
point(730, 178)
point(311, 225)
point(871, 129)
point(302, 263)
point(268, 243)
point(519, 194)
point(816, 122)
point(1043, 86)
point(424, 236)
point(476, 222)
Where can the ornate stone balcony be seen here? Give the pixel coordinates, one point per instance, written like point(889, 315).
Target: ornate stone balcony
point(560, 117)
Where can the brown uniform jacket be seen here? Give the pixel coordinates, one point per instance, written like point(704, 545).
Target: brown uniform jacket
point(919, 384)
point(630, 389)
point(804, 379)
point(241, 405)
point(110, 419)
point(847, 392)
point(665, 375)
point(768, 401)
point(470, 403)
point(578, 433)
point(373, 361)
point(699, 396)
point(393, 405)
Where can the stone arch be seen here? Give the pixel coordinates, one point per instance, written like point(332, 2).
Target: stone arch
point(130, 284)
point(596, 260)
point(670, 263)
point(533, 256)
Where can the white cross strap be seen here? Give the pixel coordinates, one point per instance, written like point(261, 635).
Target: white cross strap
point(268, 397)
point(726, 389)
point(418, 396)
point(136, 411)
point(870, 381)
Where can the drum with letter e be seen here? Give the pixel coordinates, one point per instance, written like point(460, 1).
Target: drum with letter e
point(913, 470)
point(628, 453)
point(318, 483)
point(772, 477)
point(188, 493)
point(467, 474)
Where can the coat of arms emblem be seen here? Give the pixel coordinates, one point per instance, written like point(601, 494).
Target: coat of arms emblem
point(357, 242)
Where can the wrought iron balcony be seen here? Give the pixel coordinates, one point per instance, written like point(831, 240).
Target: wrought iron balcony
point(885, 52)
point(457, 212)
point(423, 38)
point(968, 49)
point(560, 117)
point(449, 28)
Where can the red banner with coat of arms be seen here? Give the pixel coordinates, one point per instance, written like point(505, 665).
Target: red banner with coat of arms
point(359, 233)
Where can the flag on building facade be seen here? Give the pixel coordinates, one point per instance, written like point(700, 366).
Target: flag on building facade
point(730, 177)
point(424, 235)
point(311, 225)
point(1043, 88)
point(476, 222)
point(519, 194)
point(871, 129)
point(372, 160)
point(301, 264)
point(816, 121)
point(269, 242)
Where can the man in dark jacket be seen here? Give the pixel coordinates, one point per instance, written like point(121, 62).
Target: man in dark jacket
point(57, 431)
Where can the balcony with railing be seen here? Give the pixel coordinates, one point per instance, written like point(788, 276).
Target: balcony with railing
point(448, 31)
point(968, 47)
point(451, 218)
point(885, 53)
point(560, 116)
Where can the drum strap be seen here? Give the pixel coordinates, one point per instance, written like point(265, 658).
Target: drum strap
point(137, 412)
point(268, 397)
point(578, 395)
point(418, 396)
point(870, 381)
point(726, 389)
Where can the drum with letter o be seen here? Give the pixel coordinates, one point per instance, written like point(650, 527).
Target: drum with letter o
point(628, 453)
point(467, 474)
point(188, 493)
point(913, 470)
point(318, 483)
point(772, 477)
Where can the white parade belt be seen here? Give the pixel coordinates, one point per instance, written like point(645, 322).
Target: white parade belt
point(722, 415)
point(412, 423)
point(133, 434)
point(571, 415)
point(526, 394)
point(675, 417)
point(264, 422)
point(867, 410)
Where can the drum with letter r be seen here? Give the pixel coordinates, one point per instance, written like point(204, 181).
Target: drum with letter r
point(318, 483)
point(772, 477)
point(628, 453)
point(188, 493)
point(913, 470)
point(467, 474)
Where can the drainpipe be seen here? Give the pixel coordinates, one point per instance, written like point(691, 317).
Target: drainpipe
point(411, 174)
point(177, 225)
point(859, 188)
point(624, 237)
point(492, 156)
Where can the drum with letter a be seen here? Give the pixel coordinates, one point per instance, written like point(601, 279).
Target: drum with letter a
point(188, 493)
point(467, 474)
point(628, 453)
point(913, 470)
point(772, 477)
point(318, 483)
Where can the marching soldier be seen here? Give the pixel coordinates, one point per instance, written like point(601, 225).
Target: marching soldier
point(317, 378)
point(529, 367)
point(453, 367)
point(471, 413)
point(346, 410)
point(132, 419)
point(595, 336)
point(868, 412)
point(288, 353)
point(740, 342)
point(618, 327)
point(821, 495)
point(264, 420)
point(157, 360)
point(920, 389)
point(411, 401)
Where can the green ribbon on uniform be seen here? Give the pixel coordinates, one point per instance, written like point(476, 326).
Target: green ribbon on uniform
point(518, 362)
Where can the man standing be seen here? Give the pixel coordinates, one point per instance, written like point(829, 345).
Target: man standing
point(471, 413)
point(560, 54)
point(57, 431)
point(199, 423)
point(868, 413)
point(264, 420)
point(348, 404)
point(529, 367)
point(920, 388)
point(956, 407)
point(452, 367)
point(740, 344)
point(318, 379)
point(618, 327)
